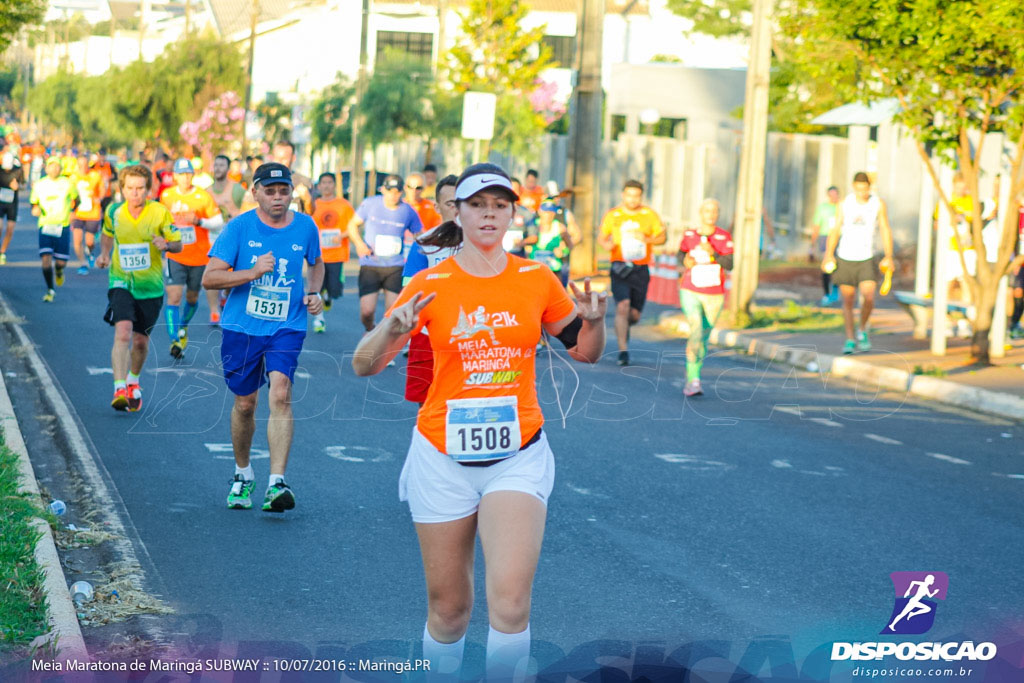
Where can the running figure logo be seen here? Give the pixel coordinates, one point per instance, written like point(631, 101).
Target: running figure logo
point(914, 611)
point(469, 325)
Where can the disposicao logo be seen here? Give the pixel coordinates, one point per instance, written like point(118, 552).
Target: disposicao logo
point(916, 592)
point(913, 613)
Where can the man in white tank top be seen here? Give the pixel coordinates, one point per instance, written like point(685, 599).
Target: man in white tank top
point(850, 254)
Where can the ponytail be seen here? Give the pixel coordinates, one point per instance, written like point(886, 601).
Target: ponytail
point(448, 234)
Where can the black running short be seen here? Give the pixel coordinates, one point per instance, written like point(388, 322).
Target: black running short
point(144, 313)
point(9, 211)
point(334, 279)
point(372, 279)
point(631, 285)
point(852, 273)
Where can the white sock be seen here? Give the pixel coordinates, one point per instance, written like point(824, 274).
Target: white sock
point(246, 472)
point(275, 478)
point(132, 378)
point(508, 655)
point(318, 318)
point(445, 658)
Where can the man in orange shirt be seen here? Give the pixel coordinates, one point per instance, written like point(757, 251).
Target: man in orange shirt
point(532, 194)
point(88, 217)
point(629, 232)
point(425, 208)
point(195, 214)
point(331, 214)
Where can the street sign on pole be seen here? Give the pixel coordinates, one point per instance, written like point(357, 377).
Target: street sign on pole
point(478, 115)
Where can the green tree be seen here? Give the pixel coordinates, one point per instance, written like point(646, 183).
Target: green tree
point(395, 104)
point(275, 118)
point(954, 66)
point(332, 115)
point(55, 101)
point(142, 101)
point(17, 13)
point(794, 96)
point(494, 53)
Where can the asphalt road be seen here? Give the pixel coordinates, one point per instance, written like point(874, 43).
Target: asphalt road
point(765, 516)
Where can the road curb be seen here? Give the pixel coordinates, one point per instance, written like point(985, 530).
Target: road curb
point(933, 388)
point(65, 631)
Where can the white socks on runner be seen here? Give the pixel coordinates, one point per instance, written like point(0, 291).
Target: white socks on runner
point(275, 478)
point(246, 472)
point(508, 655)
point(132, 378)
point(445, 658)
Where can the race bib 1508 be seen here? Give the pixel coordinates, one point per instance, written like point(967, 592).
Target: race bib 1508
point(482, 428)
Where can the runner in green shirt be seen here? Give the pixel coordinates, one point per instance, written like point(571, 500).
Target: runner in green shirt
point(53, 199)
point(135, 234)
point(822, 225)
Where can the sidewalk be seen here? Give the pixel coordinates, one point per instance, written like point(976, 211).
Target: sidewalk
point(896, 361)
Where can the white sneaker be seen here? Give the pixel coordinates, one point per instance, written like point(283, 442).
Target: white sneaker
point(692, 388)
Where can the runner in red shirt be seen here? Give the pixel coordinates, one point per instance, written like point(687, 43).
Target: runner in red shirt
point(705, 253)
point(479, 461)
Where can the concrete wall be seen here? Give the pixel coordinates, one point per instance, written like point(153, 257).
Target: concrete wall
point(706, 98)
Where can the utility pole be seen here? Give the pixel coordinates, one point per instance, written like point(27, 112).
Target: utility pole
point(442, 14)
point(356, 189)
point(585, 131)
point(247, 104)
point(144, 9)
point(750, 192)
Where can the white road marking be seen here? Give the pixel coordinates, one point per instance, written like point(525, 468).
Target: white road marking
point(98, 371)
point(216, 448)
point(792, 410)
point(883, 439)
point(366, 453)
point(781, 464)
point(1008, 476)
point(948, 458)
point(302, 374)
point(825, 421)
point(690, 462)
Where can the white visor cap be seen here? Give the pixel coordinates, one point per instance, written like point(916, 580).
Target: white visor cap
point(483, 181)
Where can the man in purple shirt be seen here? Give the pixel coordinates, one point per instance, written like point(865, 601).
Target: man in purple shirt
point(385, 220)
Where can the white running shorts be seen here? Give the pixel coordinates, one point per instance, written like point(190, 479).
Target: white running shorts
point(438, 489)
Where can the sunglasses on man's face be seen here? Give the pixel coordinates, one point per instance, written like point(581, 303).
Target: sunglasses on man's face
point(277, 190)
point(415, 187)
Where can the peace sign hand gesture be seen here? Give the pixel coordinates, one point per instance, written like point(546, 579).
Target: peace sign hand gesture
point(592, 305)
point(405, 318)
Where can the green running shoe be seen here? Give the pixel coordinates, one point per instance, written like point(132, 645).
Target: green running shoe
point(863, 343)
point(240, 496)
point(279, 498)
point(849, 347)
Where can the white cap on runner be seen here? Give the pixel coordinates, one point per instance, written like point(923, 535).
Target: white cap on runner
point(483, 181)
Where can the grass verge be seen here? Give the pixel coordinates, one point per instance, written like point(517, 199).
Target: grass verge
point(793, 317)
point(22, 601)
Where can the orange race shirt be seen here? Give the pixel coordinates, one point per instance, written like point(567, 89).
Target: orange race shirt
point(331, 218)
point(427, 211)
point(632, 227)
point(195, 240)
point(484, 333)
point(532, 199)
point(90, 193)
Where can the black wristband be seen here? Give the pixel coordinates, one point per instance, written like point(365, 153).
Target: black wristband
point(312, 293)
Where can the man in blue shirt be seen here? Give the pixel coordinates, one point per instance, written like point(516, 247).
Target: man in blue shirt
point(258, 259)
point(387, 220)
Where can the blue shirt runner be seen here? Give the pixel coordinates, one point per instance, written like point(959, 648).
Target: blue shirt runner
point(384, 231)
point(272, 302)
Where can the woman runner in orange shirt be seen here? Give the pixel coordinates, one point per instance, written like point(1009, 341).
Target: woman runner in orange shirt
point(479, 461)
